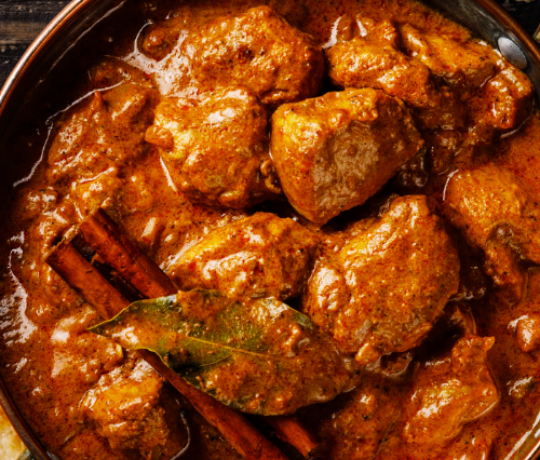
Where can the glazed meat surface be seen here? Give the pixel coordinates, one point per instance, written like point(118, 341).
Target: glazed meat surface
point(387, 285)
point(109, 131)
point(125, 407)
point(448, 393)
point(217, 147)
point(259, 256)
point(363, 420)
point(505, 101)
point(373, 61)
point(502, 94)
point(497, 213)
point(463, 66)
point(333, 152)
point(257, 50)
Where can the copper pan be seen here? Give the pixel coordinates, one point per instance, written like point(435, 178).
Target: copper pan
point(485, 17)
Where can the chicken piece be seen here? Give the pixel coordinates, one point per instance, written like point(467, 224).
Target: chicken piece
point(357, 429)
point(497, 213)
point(388, 284)
point(448, 393)
point(464, 66)
point(125, 408)
point(218, 147)
point(106, 132)
point(258, 256)
point(335, 151)
point(260, 51)
point(505, 101)
point(362, 63)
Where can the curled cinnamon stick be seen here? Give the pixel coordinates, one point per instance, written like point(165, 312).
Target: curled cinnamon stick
point(104, 236)
point(96, 290)
point(84, 277)
point(108, 240)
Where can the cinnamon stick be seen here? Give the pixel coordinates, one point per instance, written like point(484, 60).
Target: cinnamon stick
point(83, 276)
point(290, 430)
point(96, 290)
point(108, 240)
point(104, 236)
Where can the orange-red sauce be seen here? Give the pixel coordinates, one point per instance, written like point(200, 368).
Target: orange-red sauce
point(49, 361)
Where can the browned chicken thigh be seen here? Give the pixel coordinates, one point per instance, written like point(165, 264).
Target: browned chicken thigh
point(258, 50)
point(258, 256)
point(497, 213)
point(217, 147)
point(387, 285)
point(333, 152)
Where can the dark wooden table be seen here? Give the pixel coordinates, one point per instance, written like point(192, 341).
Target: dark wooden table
point(22, 20)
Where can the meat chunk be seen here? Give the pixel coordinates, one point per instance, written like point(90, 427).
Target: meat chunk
point(258, 256)
point(388, 283)
point(505, 101)
point(106, 132)
point(260, 51)
point(499, 214)
point(448, 393)
point(218, 147)
point(362, 63)
point(125, 408)
point(463, 66)
point(357, 429)
point(335, 151)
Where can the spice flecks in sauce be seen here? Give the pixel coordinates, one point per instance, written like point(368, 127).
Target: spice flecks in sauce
point(97, 156)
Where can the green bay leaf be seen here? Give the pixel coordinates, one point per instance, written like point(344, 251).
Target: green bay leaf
point(256, 355)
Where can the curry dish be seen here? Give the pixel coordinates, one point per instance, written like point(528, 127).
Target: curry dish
point(277, 229)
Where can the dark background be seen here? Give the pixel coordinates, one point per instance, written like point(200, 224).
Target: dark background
point(22, 20)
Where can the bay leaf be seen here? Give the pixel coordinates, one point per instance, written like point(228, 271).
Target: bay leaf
point(256, 355)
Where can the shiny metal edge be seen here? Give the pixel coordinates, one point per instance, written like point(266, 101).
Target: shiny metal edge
point(491, 22)
point(37, 45)
point(505, 26)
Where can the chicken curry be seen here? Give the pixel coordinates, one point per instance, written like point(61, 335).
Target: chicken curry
point(277, 229)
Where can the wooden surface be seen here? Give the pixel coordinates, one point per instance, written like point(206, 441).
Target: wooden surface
point(22, 20)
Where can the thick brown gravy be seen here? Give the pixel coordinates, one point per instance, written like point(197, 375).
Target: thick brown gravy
point(95, 154)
